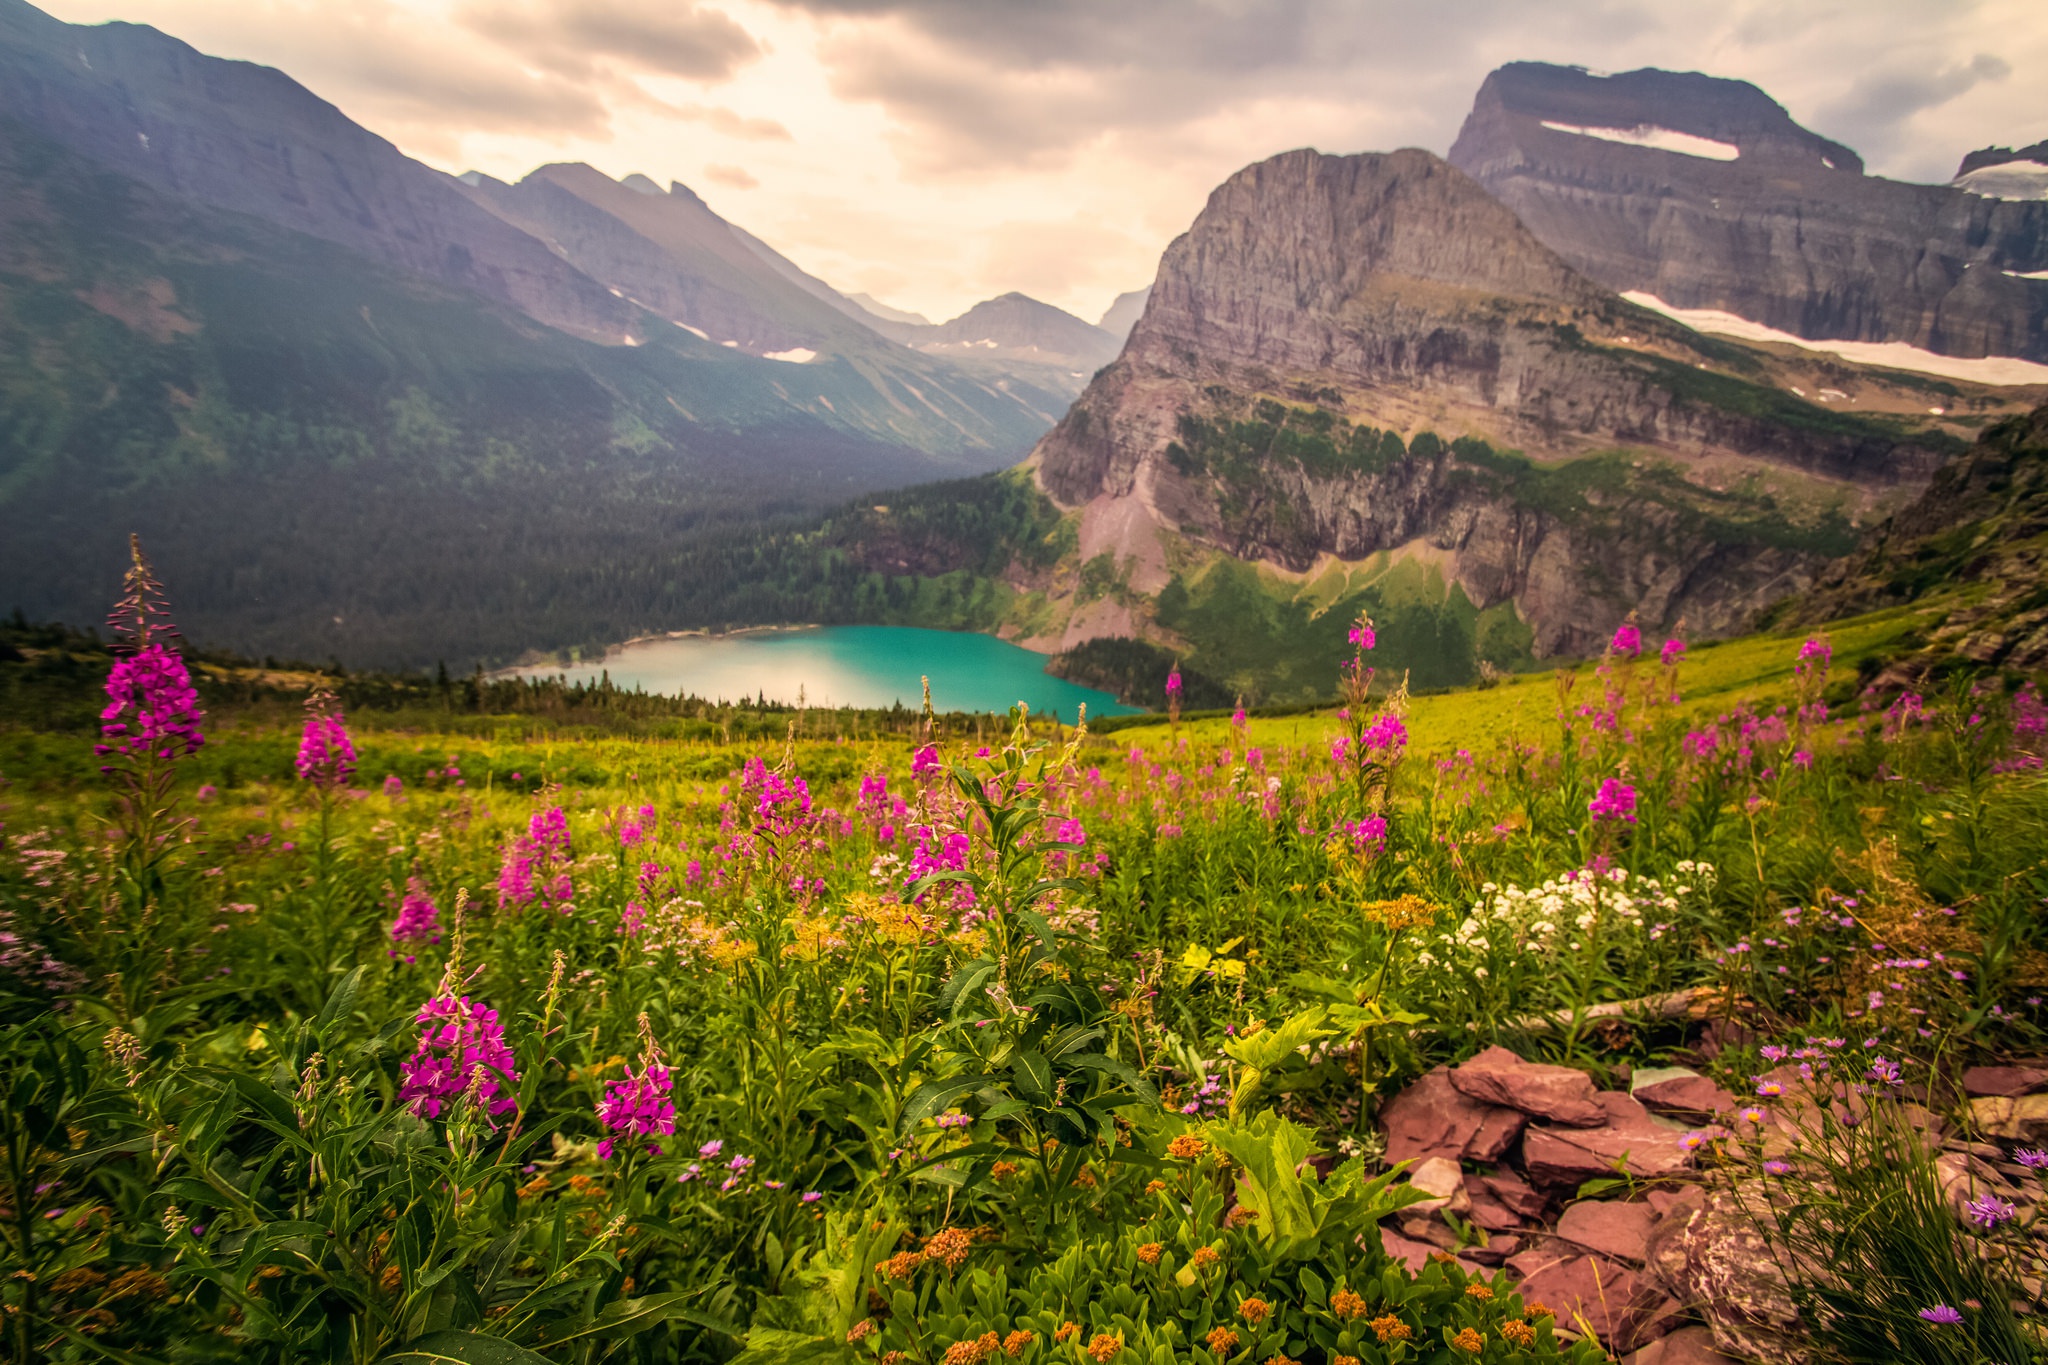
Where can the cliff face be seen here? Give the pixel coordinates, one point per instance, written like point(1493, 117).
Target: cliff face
point(1706, 194)
point(1347, 355)
point(1980, 532)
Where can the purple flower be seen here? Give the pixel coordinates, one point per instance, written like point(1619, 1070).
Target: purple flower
point(1627, 641)
point(1887, 1071)
point(1173, 682)
point(2033, 1158)
point(812, 1197)
point(711, 1148)
point(1362, 635)
point(1818, 652)
point(1988, 1211)
point(152, 708)
point(1775, 1167)
point(638, 1106)
point(1673, 651)
point(418, 917)
point(327, 757)
point(1941, 1315)
point(1616, 800)
point(460, 1044)
point(1368, 836)
point(925, 760)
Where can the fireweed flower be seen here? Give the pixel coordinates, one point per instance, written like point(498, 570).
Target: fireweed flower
point(1627, 641)
point(1361, 635)
point(1673, 651)
point(461, 1044)
point(1817, 652)
point(327, 756)
point(535, 864)
point(1173, 682)
point(418, 917)
point(152, 708)
point(1616, 800)
point(638, 1105)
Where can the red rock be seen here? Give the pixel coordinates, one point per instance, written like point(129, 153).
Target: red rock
point(1489, 1213)
point(1419, 1228)
point(1662, 1200)
point(1686, 1346)
point(1567, 1156)
point(1539, 1258)
point(2006, 1082)
point(1433, 1118)
point(1411, 1254)
point(1592, 1294)
point(1514, 1192)
point(1444, 1181)
point(1609, 1227)
point(1560, 1094)
point(1498, 1248)
point(1674, 1090)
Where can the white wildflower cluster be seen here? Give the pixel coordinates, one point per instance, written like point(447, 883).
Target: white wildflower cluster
point(1567, 912)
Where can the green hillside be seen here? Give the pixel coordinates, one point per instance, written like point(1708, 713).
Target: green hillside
point(341, 458)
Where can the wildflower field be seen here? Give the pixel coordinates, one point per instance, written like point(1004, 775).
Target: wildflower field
point(350, 1036)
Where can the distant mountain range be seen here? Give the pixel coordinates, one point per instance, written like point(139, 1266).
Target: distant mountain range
point(217, 292)
point(360, 407)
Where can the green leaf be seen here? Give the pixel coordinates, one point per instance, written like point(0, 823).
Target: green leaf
point(929, 1098)
point(464, 1348)
point(627, 1317)
point(340, 1001)
point(1033, 1074)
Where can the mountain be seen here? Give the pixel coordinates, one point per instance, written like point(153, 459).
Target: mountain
point(1123, 314)
point(357, 407)
point(2005, 173)
point(1978, 537)
point(876, 308)
point(1348, 363)
point(1707, 195)
point(1016, 327)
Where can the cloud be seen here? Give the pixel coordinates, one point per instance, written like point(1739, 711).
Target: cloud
point(692, 41)
point(1873, 113)
point(722, 120)
point(735, 177)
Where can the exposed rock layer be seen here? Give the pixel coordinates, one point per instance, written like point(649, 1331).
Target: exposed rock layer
point(1789, 232)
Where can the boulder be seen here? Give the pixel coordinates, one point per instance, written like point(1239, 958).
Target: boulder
point(1498, 1248)
point(2023, 1118)
point(1686, 1346)
point(1443, 1179)
point(2008, 1082)
point(1489, 1213)
point(1515, 1194)
point(1602, 1298)
point(1681, 1091)
point(1418, 1227)
point(1559, 1094)
point(1432, 1118)
point(1609, 1227)
point(1707, 1254)
point(1567, 1156)
point(1410, 1253)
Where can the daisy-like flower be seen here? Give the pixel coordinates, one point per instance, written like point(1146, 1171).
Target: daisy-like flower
point(1941, 1315)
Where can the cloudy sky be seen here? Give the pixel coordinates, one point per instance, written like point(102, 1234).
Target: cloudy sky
point(937, 152)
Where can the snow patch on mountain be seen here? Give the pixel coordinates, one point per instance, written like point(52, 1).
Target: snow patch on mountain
point(1657, 139)
point(1891, 355)
point(2007, 180)
point(797, 355)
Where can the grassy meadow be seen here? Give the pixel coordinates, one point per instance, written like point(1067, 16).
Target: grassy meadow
point(347, 1032)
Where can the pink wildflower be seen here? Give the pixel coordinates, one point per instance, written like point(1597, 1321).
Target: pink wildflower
point(461, 1044)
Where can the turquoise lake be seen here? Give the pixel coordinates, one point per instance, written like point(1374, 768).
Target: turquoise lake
point(846, 666)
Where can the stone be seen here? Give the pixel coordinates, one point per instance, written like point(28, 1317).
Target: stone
point(1707, 1253)
point(1410, 1253)
point(1515, 1194)
point(1682, 1091)
point(2007, 1082)
point(1609, 1227)
point(1498, 1248)
point(2016, 1119)
point(1444, 1179)
point(1489, 1213)
point(1568, 1156)
point(1559, 1094)
point(1432, 1118)
point(1422, 1228)
point(1686, 1346)
point(1605, 1299)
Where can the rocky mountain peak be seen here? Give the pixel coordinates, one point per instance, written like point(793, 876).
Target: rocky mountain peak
point(1551, 102)
point(1706, 194)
